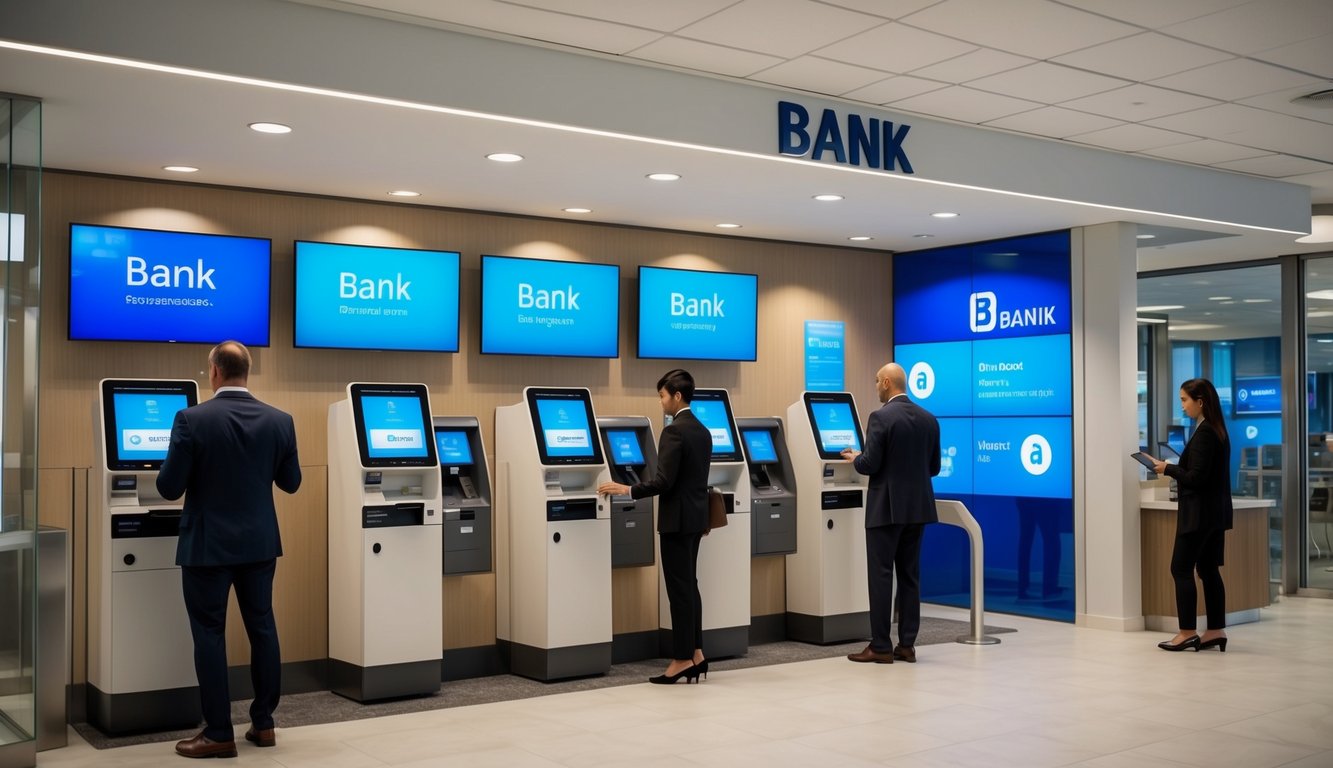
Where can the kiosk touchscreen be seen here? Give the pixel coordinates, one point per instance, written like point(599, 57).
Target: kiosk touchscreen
point(466, 489)
point(385, 549)
point(553, 537)
point(826, 576)
point(140, 655)
point(772, 487)
point(724, 555)
point(631, 457)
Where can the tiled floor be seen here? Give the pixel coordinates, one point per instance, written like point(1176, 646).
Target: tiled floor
point(1050, 695)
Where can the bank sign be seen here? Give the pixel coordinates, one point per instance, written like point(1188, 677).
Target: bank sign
point(846, 139)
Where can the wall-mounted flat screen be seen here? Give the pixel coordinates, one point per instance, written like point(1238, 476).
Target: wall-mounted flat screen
point(833, 416)
point(453, 447)
point(150, 285)
point(690, 315)
point(712, 408)
point(137, 416)
point(1256, 395)
point(391, 424)
point(625, 448)
point(759, 446)
point(362, 297)
point(562, 420)
point(549, 308)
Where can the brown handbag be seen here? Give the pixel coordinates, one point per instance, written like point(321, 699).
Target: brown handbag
point(717, 509)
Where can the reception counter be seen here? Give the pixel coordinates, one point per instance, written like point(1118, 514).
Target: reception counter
point(1245, 572)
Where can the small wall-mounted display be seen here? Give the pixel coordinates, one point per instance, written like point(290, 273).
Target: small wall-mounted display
point(690, 315)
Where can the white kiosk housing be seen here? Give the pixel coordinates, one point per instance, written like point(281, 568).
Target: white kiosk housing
point(140, 652)
point(828, 599)
point(724, 555)
point(552, 537)
point(385, 548)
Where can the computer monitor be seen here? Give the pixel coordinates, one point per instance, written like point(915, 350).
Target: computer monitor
point(562, 420)
point(453, 447)
point(625, 448)
point(1175, 437)
point(759, 446)
point(833, 416)
point(138, 415)
point(391, 424)
point(713, 409)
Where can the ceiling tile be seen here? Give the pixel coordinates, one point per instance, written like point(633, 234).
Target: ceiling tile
point(1281, 101)
point(1278, 166)
point(805, 26)
point(590, 33)
point(1258, 26)
point(1054, 122)
point(650, 14)
point(1154, 13)
point(705, 57)
point(1046, 83)
point(1206, 152)
point(1313, 56)
point(969, 66)
point(1035, 28)
point(1142, 57)
point(1131, 138)
point(890, 9)
point(895, 48)
point(964, 104)
point(811, 73)
point(1138, 102)
point(1235, 79)
point(1255, 128)
point(894, 89)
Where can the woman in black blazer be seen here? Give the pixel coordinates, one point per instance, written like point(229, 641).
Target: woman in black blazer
point(1203, 479)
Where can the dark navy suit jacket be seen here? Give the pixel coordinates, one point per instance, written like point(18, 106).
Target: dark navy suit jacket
point(225, 455)
point(902, 453)
point(683, 456)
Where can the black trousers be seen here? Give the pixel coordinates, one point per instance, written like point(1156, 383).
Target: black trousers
point(206, 589)
point(680, 568)
point(890, 549)
point(1201, 550)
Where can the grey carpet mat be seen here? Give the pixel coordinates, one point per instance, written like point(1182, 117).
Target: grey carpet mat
point(325, 707)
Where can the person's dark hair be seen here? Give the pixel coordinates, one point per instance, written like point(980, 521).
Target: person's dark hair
point(677, 381)
point(1203, 389)
point(232, 360)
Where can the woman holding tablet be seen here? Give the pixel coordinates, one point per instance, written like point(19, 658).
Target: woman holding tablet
point(1203, 478)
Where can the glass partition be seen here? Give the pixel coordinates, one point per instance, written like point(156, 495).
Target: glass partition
point(1317, 564)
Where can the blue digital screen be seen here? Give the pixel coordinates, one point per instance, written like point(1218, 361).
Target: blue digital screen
point(1028, 376)
point(939, 376)
point(689, 315)
point(359, 297)
point(759, 444)
point(955, 477)
point(1023, 457)
point(625, 449)
point(148, 285)
point(1256, 395)
point(393, 427)
point(836, 426)
point(564, 427)
point(549, 308)
point(825, 342)
point(713, 414)
point(453, 448)
point(143, 423)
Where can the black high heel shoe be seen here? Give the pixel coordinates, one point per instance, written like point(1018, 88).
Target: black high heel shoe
point(690, 673)
point(1220, 643)
point(702, 667)
point(1184, 645)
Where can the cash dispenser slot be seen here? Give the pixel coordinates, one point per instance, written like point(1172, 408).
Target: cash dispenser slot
point(140, 525)
point(850, 499)
point(393, 515)
point(571, 509)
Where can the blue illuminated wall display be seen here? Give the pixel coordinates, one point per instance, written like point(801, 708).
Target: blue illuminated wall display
point(551, 308)
point(149, 285)
point(690, 315)
point(1256, 395)
point(824, 355)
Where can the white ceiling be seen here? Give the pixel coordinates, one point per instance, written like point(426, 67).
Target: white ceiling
point(1206, 82)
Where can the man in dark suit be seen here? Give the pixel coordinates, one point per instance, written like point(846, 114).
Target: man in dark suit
point(683, 457)
point(902, 453)
point(226, 454)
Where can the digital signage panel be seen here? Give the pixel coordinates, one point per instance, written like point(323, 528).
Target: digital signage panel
point(1256, 395)
point(1028, 376)
point(955, 477)
point(930, 291)
point(362, 297)
point(549, 308)
point(690, 315)
point(150, 285)
point(939, 376)
point(1023, 457)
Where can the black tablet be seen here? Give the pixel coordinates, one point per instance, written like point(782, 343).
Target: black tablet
point(1145, 460)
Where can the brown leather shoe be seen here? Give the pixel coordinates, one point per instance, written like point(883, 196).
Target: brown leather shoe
point(869, 654)
point(904, 653)
point(261, 737)
point(202, 746)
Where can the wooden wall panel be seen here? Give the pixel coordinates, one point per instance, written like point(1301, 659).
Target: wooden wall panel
point(768, 585)
point(469, 610)
point(634, 599)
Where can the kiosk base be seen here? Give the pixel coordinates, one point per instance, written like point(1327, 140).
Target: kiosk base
point(386, 681)
point(826, 630)
point(721, 643)
point(548, 664)
point(117, 713)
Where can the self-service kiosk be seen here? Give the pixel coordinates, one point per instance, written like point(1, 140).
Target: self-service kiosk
point(827, 595)
point(772, 487)
point(466, 490)
point(140, 652)
point(631, 458)
point(385, 556)
point(724, 555)
point(553, 537)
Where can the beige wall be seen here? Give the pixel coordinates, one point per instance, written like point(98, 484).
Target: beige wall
point(796, 283)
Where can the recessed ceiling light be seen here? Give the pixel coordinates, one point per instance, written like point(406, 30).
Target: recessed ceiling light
point(578, 210)
point(404, 193)
point(1257, 301)
point(1219, 298)
point(504, 157)
point(270, 127)
point(828, 198)
point(861, 238)
point(1324, 341)
point(664, 176)
point(728, 226)
point(1326, 293)
point(1154, 320)
point(1161, 308)
point(180, 168)
point(944, 215)
point(922, 235)
point(1146, 237)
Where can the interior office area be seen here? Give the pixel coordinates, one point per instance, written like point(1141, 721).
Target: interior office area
point(591, 128)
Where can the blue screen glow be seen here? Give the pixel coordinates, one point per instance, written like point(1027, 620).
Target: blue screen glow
point(955, 477)
point(1027, 376)
point(564, 427)
point(759, 444)
point(394, 429)
point(939, 376)
point(689, 315)
point(1256, 395)
point(143, 423)
point(713, 414)
point(625, 449)
point(1023, 457)
point(453, 448)
point(561, 308)
point(836, 426)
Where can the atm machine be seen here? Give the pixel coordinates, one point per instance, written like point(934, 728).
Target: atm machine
point(827, 595)
point(466, 489)
point(772, 487)
point(724, 555)
point(553, 537)
point(140, 652)
point(385, 551)
point(631, 458)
